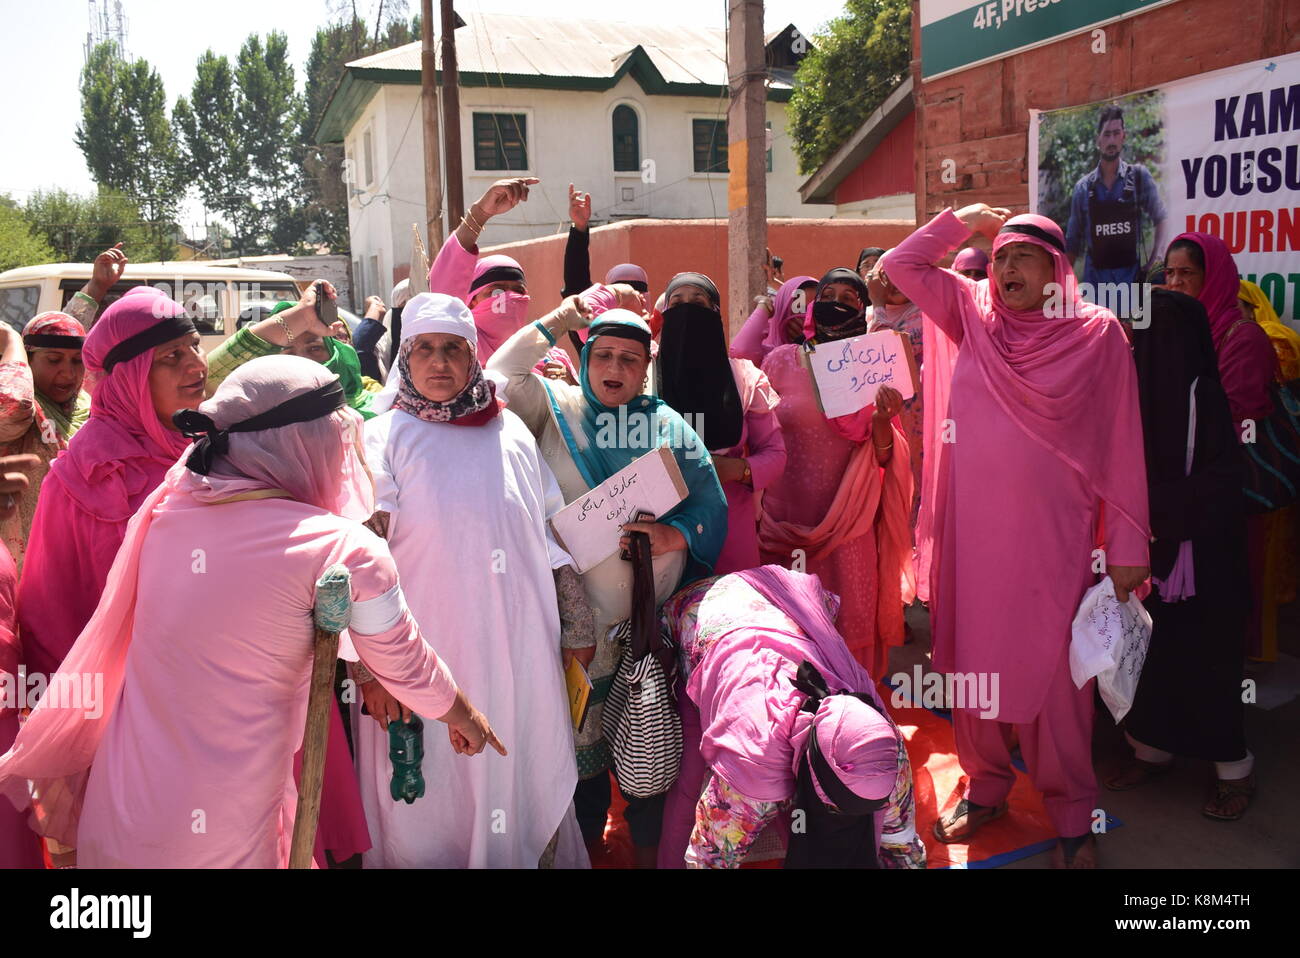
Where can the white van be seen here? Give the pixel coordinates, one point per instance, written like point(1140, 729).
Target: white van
point(217, 296)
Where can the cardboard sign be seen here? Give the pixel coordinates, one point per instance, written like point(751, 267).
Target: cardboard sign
point(847, 373)
point(588, 527)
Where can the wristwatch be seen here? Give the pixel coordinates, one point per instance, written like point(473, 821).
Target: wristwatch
point(747, 476)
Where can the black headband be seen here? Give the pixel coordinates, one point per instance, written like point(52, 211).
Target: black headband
point(498, 274)
point(623, 330)
point(51, 341)
point(1029, 229)
point(636, 284)
point(810, 682)
point(173, 327)
point(213, 442)
point(693, 279)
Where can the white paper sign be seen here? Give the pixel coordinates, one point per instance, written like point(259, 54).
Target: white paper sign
point(849, 372)
point(588, 527)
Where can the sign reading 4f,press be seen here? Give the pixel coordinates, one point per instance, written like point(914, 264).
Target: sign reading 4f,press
point(956, 34)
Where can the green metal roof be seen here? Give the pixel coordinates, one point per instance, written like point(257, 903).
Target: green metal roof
point(552, 54)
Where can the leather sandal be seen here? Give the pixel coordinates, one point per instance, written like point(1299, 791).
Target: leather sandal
point(1232, 796)
point(965, 820)
point(1137, 772)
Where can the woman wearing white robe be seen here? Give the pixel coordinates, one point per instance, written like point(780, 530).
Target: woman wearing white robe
point(463, 497)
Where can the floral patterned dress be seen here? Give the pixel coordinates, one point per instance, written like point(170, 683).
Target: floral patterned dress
point(727, 822)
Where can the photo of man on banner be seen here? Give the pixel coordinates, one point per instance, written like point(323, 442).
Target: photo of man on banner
point(1111, 207)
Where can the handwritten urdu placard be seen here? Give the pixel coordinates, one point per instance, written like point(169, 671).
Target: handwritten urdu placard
point(588, 527)
point(848, 373)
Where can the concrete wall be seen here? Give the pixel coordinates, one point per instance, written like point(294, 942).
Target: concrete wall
point(979, 117)
point(569, 141)
point(667, 247)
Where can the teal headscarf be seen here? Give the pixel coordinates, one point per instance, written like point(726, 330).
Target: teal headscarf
point(345, 364)
point(614, 436)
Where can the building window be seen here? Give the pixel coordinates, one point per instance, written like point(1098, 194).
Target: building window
point(627, 140)
point(368, 154)
point(709, 141)
point(769, 149)
point(500, 141)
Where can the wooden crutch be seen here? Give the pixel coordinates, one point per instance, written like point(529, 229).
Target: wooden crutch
point(332, 612)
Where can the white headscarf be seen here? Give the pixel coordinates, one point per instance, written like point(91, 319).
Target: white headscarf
point(429, 313)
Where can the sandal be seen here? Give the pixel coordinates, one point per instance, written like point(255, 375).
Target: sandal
point(1066, 853)
point(1137, 772)
point(1232, 796)
point(965, 820)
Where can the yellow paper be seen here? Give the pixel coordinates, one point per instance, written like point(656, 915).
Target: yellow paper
point(578, 686)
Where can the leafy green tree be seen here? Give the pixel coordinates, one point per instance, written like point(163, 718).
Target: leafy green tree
point(211, 156)
point(240, 130)
point(20, 243)
point(126, 138)
point(334, 45)
point(77, 228)
point(850, 69)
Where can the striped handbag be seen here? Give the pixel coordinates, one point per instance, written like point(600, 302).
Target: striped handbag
point(640, 720)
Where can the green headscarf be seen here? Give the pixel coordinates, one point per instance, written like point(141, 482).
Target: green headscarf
point(345, 364)
point(67, 417)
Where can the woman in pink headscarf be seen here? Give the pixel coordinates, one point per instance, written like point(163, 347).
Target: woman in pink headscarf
point(492, 286)
point(19, 846)
point(183, 757)
point(840, 507)
point(1042, 462)
point(775, 322)
point(776, 709)
point(1200, 265)
point(143, 363)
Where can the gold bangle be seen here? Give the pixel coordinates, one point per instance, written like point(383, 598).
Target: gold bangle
point(473, 224)
point(288, 333)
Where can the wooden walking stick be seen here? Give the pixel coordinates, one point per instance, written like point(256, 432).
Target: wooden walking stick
point(332, 612)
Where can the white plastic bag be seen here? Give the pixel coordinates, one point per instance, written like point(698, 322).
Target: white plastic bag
point(1109, 640)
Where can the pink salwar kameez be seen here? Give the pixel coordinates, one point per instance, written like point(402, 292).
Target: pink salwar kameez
point(1042, 463)
point(763, 447)
point(835, 513)
point(201, 648)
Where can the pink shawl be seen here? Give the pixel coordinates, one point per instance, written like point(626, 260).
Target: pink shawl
point(758, 754)
point(762, 332)
point(95, 485)
point(1055, 377)
point(1222, 288)
point(309, 461)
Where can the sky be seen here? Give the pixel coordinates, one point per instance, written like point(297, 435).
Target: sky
point(44, 52)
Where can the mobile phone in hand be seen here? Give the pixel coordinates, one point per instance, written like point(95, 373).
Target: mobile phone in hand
point(327, 310)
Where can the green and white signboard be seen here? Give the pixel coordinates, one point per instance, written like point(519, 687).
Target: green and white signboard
point(956, 34)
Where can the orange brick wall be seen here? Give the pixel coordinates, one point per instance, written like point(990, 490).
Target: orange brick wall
point(980, 117)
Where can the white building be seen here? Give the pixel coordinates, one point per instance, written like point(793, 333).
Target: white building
point(635, 114)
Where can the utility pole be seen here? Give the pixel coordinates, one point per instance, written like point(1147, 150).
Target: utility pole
point(746, 158)
point(451, 118)
point(429, 96)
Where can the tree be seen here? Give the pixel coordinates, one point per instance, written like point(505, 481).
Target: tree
point(20, 243)
point(322, 163)
point(125, 136)
point(211, 156)
point(77, 228)
point(240, 130)
point(849, 70)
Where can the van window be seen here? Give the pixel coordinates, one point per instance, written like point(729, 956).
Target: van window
point(69, 287)
point(257, 299)
point(18, 304)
